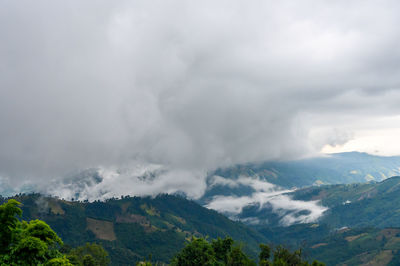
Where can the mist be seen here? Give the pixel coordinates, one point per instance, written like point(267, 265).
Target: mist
point(186, 86)
point(265, 196)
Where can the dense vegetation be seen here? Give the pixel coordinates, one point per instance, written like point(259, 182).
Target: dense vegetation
point(376, 204)
point(35, 243)
point(131, 228)
point(361, 226)
point(358, 247)
point(226, 252)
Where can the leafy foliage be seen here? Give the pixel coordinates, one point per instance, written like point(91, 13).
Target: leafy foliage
point(225, 252)
point(89, 254)
point(35, 243)
point(197, 252)
point(23, 243)
point(8, 221)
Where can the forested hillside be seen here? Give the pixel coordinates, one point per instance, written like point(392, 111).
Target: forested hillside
point(132, 228)
point(361, 224)
point(358, 205)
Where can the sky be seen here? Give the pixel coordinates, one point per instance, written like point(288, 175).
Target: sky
point(188, 86)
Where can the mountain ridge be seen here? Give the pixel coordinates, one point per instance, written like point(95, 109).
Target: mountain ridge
point(131, 228)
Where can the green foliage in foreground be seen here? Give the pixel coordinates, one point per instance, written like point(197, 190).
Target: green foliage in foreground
point(89, 254)
point(225, 252)
point(23, 243)
point(35, 243)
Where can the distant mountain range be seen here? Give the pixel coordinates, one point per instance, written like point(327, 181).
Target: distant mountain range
point(373, 204)
point(338, 168)
point(360, 227)
point(353, 223)
point(264, 193)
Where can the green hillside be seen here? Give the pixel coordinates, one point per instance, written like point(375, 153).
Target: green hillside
point(359, 247)
point(344, 246)
point(132, 228)
point(358, 205)
point(349, 205)
point(361, 227)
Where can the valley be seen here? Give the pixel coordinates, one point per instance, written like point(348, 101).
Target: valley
point(339, 224)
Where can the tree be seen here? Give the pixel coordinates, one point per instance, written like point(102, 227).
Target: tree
point(238, 258)
point(9, 212)
point(23, 243)
point(35, 243)
point(222, 248)
point(220, 252)
point(89, 254)
point(59, 262)
point(283, 257)
point(265, 254)
point(196, 252)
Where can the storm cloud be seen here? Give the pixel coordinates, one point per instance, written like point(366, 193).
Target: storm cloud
point(189, 86)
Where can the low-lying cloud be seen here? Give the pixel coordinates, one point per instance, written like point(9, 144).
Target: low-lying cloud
point(265, 196)
point(101, 184)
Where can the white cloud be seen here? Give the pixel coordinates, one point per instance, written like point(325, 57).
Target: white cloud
point(267, 195)
point(190, 86)
point(101, 184)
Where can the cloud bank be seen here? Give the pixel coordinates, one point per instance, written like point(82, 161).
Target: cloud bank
point(189, 86)
point(265, 197)
point(142, 180)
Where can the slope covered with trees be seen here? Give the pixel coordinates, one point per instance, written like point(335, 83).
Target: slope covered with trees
point(376, 204)
point(131, 228)
point(35, 243)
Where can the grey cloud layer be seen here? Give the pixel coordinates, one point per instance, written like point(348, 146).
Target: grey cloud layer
point(188, 85)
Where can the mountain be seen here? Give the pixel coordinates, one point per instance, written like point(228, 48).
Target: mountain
point(131, 228)
point(328, 219)
point(338, 168)
point(358, 247)
point(343, 246)
point(360, 227)
point(264, 194)
point(374, 204)
point(358, 205)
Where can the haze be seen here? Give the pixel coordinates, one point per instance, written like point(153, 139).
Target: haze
point(190, 86)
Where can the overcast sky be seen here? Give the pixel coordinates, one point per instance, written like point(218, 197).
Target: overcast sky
point(192, 85)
